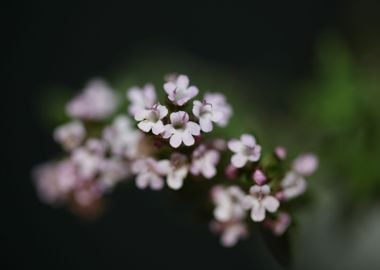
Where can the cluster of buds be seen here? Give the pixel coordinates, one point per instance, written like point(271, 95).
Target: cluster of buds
point(169, 144)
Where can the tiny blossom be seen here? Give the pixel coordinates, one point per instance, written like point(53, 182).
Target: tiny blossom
point(219, 106)
point(181, 130)
point(260, 201)
point(245, 150)
point(151, 119)
point(88, 158)
point(280, 224)
point(150, 173)
point(96, 102)
point(228, 203)
point(292, 185)
point(231, 232)
point(259, 177)
point(305, 164)
point(141, 98)
point(178, 90)
point(204, 161)
point(178, 171)
point(70, 135)
point(280, 152)
point(206, 114)
point(123, 139)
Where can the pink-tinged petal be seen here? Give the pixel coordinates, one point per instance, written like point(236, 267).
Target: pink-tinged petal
point(163, 166)
point(238, 160)
point(271, 204)
point(140, 115)
point(145, 125)
point(168, 131)
point(213, 156)
point(248, 140)
point(142, 180)
point(134, 94)
point(150, 93)
point(178, 117)
point(163, 111)
point(183, 81)
point(206, 125)
point(217, 116)
point(222, 214)
point(255, 156)
point(193, 128)
point(235, 146)
point(197, 105)
point(156, 183)
point(169, 88)
point(192, 91)
point(258, 213)
point(208, 171)
point(176, 140)
point(187, 138)
point(175, 182)
point(158, 128)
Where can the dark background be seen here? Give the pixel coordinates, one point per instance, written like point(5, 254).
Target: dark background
point(50, 42)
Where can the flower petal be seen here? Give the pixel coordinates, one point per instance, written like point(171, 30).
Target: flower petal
point(176, 140)
point(248, 140)
point(145, 125)
point(187, 138)
point(258, 213)
point(206, 124)
point(193, 128)
point(182, 81)
point(169, 88)
point(238, 160)
point(158, 128)
point(235, 146)
point(270, 203)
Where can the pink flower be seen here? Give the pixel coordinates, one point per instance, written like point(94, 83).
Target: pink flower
point(141, 98)
point(231, 232)
point(260, 201)
point(292, 185)
point(96, 102)
point(228, 203)
point(280, 152)
point(150, 173)
point(204, 161)
point(178, 171)
point(280, 224)
point(181, 130)
point(206, 114)
point(305, 164)
point(259, 177)
point(178, 90)
point(245, 150)
point(70, 135)
point(151, 119)
point(219, 106)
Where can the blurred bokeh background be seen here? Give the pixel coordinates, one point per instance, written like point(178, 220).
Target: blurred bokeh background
point(303, 74)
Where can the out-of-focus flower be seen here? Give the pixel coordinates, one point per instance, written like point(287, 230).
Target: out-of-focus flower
point(181, 130)
point(305, 164)
point(150, 172)
point(260, 201)
point(178, 171)
point(231, 232)
point(122, 138)
point(178, 90)
point(292, 185)
point(219, 106)
point(112, 171)
point(151, 119)
point(141, 98)
point(228, 203)
point(280, 224)
point(87, 192)
point(70, 135)
point(280, 152)
point(259, 177)
point(206, 114)
point(88, 158)
point(231, 172)
point(245, 150)
point(96, 102)
point(204, 161)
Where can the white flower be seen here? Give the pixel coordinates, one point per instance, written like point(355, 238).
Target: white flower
point(141, 98)
point(231, 232)
point(181, 130)
point(96, 102)
point(305, 164)
point(245, 150)
point(204, 161)
point(178, 90)
point(123, 139)
point(228, 203)
point(260, 201)
point(292, 185)
point(151, 119)
point(219, 106)
point(150, 172)
point(88, 158)
point(206, 114)
point(70, 135)
point(178, 171)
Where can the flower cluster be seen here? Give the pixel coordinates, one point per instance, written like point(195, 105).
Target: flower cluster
point(169, 144)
